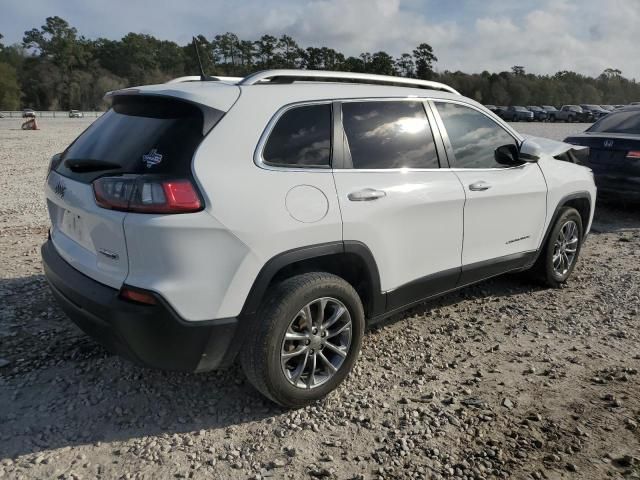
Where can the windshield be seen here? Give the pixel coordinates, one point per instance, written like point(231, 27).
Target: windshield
point(619, 122)
point(137, 135)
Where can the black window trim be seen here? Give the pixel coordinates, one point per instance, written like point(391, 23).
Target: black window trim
point(259, 159)
point(447, 142)
point(347, 163)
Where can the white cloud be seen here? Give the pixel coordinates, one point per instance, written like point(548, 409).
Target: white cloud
point(543, 35)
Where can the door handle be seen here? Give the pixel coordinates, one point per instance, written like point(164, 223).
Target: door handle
point(366, 195)
point(479, 186)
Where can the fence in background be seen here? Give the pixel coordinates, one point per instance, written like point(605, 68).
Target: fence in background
point(47, 114)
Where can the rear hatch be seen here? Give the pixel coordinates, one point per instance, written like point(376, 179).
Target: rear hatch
point(139, 137)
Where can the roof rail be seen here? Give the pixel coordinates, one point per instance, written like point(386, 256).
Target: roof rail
point(196, 78)
point(290, 76)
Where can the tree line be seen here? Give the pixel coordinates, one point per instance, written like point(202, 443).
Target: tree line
point(56, 68)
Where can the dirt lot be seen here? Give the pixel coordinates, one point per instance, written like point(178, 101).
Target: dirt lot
point(501, 380)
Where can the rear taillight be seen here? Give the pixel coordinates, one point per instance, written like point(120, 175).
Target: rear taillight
point(634, 154)
point(144, 194)
point(54, 162)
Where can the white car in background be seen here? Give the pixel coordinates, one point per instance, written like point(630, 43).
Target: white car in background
point(272, 217)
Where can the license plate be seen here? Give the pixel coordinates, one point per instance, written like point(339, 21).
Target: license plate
point(73, 227)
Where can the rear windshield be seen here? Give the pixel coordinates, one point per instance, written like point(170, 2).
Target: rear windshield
point(137, 135)
point(619, 122)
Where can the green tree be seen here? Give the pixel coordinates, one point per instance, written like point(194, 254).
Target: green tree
point(406, 65)
point(424, 60)
point(9, 88)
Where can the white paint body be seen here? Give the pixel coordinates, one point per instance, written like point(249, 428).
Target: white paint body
point(204, 264)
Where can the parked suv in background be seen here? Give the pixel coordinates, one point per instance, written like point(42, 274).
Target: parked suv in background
point(596, 111)
point(539, 113)
point(517, 114)
point(570, 113)
point(274, 217)
point(551, 110)
point(75, 114)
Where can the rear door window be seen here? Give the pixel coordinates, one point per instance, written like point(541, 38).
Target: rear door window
point(301, 138)
point(139, 134)
point(389, 134)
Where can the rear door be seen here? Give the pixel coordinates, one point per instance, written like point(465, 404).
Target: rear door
point(150, 135)
point(505, 207)
point(396, 200)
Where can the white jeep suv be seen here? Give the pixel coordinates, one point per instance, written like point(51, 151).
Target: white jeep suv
point(271, 218)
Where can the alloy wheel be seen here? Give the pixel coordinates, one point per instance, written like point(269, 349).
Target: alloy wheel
point(316, 343)
point(565, 248)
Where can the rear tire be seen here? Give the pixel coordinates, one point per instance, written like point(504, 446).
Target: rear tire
point(301, 367)
point(561, 250)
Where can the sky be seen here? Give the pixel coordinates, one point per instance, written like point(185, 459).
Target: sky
point(545, 36)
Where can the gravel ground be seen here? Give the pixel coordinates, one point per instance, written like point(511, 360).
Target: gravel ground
point(500, 380)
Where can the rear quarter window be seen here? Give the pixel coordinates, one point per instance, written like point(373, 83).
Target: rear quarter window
point(300, 138)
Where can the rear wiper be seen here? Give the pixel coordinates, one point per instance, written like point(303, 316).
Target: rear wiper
point(90, 165)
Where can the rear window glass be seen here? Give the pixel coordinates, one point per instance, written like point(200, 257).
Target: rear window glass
point(137, 135)
point(619, 122)
point(301, 138)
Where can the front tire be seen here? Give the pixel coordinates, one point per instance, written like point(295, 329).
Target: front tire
point(307, 336)
point(561, 250)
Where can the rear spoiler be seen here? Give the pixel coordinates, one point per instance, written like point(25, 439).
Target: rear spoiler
point(211, 114)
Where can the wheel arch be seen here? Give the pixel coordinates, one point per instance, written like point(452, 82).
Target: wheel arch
point(581, 201)
point(351, 260)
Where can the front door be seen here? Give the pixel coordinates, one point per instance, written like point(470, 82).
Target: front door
point(505, 207)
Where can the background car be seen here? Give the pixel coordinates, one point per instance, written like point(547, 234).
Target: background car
point(570, 113)
point(28, 113)
point(597, 112)
point(608, 108)
point(75, 114)
point(550, 109)
point(614, 156)
point(539, 113)
point(517, 114)
point(499, 111)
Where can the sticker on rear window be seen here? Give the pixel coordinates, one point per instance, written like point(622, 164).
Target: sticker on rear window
point(152, 158)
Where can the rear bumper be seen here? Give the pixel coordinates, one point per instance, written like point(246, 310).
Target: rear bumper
point(150, 335)
point(611, 187)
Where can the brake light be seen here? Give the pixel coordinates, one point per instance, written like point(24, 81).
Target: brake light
point(635, 154)
point(144, 194)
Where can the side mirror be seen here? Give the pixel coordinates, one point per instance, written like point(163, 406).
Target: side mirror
point(508, 155)
point(530, 150)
